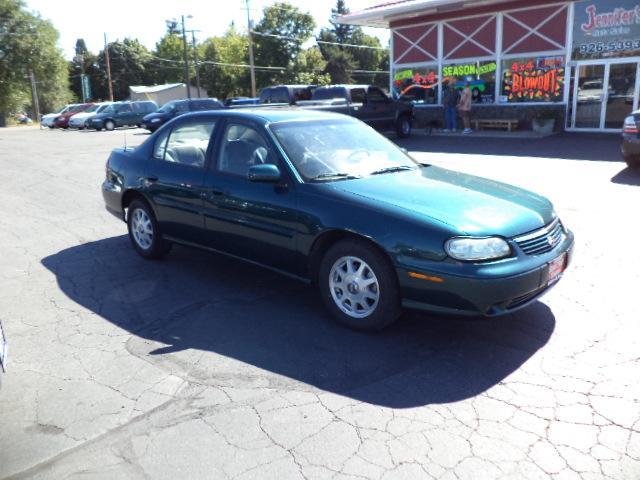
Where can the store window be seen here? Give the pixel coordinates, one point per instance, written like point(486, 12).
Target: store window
point(533, 79)
point(480, 75)
point(416, 84)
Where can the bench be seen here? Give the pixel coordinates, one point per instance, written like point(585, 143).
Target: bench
point(509, 124)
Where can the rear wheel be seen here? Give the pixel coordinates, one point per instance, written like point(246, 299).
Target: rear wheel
point(109, 125)
point(403, 127)
point(144, 232)
point(359, 286)
point(632, 161)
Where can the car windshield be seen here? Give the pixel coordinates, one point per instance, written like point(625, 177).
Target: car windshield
point(75, 108)
point(92, 108)
point(328, 150)
point(109, 109)
point(167, 107)
point(102, 108)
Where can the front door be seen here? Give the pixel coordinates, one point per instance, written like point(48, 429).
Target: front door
point(175, 176)
point(253, 220)
point(603, 95)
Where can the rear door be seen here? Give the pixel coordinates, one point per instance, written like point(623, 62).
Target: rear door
point(175, 176)
point(124, 114)
point(252, 220)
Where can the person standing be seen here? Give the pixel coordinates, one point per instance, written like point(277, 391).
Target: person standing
point(450, 98)
point(464, 107)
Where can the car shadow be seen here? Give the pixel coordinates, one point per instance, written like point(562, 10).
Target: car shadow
point(194, 300)
point(628, 176)
point(603, 147)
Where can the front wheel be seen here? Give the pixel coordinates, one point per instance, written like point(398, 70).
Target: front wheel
point(109, 125)
point(359, 286)
point(403, 127)
point(144, 232)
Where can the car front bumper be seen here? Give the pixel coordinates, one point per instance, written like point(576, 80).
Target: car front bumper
point(484, 293)
point(112, 195)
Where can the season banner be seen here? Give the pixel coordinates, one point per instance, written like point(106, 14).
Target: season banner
point(606, 29)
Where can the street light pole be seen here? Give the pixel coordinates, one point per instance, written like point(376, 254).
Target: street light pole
point(186, 59)
point(253, 70)
point(195, 57)
point(34, 96)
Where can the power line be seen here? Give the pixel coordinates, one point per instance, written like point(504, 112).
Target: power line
point(299, 40)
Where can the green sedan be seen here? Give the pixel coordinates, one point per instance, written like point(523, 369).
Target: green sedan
point(328, 200)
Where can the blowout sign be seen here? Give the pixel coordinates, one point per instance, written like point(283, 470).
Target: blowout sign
point(606, 29)
point(535, 80)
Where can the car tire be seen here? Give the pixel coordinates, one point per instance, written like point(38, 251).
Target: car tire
point(403, 127)
point(51, 127)
point(359, 285)
point(109, 125)
point(632, 161)
point(144, 232)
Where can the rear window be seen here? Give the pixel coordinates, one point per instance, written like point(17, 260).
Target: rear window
point(145, 107)
point(358, 95)
point(330, 93)
point(279, 95)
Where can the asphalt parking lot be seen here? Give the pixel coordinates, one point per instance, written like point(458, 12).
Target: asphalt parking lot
point(202, 367)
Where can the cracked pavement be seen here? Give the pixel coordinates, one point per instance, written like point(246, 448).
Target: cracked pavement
point(202, 367)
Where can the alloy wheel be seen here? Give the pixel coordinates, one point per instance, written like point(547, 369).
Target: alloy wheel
point(354, 287)
point(142, 229)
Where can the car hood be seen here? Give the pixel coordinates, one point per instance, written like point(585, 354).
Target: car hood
point(50, 116)
point(470, 205)
point(151, 116)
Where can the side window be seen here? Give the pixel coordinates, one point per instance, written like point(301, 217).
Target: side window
point(280, 95)
point(265, 96)
point(161, 145)
point(188, 143)
point(242, 146)
point(124, 108)
point(376, 96)
point(357, 95)
point(182, 107)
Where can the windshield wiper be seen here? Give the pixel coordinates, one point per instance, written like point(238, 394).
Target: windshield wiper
point(329, 176)
point(399, 168)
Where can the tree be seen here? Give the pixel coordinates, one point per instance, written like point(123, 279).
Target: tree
point(223, 81)
point(278, 40)
point(309, 68)
point(170, 47)
point(129, 66)
point(28, 44)
point(343, 60)
point(87, 63)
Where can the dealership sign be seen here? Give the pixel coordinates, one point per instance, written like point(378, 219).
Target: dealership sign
point(606, 29)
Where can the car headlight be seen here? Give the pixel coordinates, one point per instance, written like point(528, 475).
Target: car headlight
point(155, 120)
point(475, 249)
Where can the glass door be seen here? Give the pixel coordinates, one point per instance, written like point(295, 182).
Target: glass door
point(603, 94)
point(620, 93)
point(589, 95)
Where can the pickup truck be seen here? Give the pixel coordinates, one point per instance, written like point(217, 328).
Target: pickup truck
point(365, 102)
point(286, 94)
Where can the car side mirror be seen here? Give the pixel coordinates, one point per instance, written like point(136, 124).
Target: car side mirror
point(264, 173)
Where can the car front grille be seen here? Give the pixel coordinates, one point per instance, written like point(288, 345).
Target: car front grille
point(543, 240)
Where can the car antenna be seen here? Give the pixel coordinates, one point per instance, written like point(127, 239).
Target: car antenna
point(125, 140)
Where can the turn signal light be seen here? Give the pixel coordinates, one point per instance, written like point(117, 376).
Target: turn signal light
point(422, 276)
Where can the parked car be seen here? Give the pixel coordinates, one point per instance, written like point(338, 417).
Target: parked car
point(62, 121)
point(631, 140)
point(367, 103)
point(241, 101)
point(170, 110)
point(286, 94)
point(79, 120)
point(324, 198)
point(122, 114)
point(48, 119)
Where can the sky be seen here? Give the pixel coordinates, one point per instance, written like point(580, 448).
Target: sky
point(145, 19)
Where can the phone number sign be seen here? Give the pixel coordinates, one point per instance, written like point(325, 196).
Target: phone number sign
point(606, 29)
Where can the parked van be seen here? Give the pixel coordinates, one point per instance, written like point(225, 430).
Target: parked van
point(170, 110)
point(120, 114)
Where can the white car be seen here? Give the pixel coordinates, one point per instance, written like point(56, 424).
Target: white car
point(79, 119)
point(48, 119)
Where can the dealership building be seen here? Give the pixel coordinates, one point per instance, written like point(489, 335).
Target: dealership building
point(576, 62)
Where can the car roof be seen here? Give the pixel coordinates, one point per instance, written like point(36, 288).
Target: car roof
point(269, 114)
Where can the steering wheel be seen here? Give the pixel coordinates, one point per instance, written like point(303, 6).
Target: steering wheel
point(356, 152)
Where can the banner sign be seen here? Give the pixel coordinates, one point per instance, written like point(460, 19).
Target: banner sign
point(470, 69)
point(606, 29)
point(535, 80)
point(419, 82)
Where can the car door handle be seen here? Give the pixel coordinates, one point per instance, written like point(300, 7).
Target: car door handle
point(212, 192)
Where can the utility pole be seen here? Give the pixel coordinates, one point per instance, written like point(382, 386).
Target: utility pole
point(106, 57)
point(195, 56)
point(34, 96)
point(186, 59)
point(253, 70)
